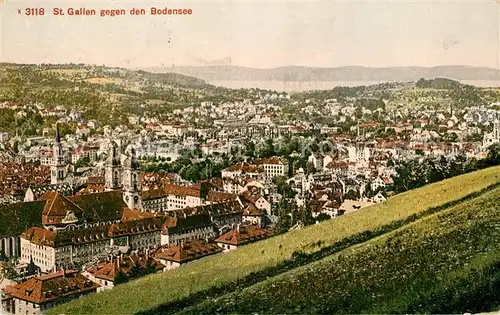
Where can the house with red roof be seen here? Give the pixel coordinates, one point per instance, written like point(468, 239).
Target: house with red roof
point(242, 235)
point(41, 293)
point(175, 256)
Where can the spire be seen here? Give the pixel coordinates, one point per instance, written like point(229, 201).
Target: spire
point(58, 135)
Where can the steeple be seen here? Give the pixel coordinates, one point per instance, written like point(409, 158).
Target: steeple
point(58, 167)
point(113, 169)
point(496, 128)
point(58, 135)
point(132, 181)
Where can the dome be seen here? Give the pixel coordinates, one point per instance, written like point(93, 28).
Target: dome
point(131, 161)
point(114, 158)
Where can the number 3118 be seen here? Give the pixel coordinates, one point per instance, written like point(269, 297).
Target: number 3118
point(34, 11)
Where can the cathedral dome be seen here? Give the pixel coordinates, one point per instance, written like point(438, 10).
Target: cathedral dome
point(114, 158)
point(131, 161)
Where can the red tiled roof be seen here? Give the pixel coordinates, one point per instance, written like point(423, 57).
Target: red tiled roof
point(47, 288)
point(244, 234)
point(171, 189)
point(215, 196)
point(124, 265)
point(40, 236)
point(134, 214)
point(252, 211)
point(244, 167)
point(188, 251)
point(57, 207)
point(134, 227)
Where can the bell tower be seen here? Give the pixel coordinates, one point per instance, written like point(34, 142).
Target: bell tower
point(496, 129)
point(113, 169)
point(132, 181)
point(58, 169)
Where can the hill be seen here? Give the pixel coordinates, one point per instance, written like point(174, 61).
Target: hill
point(349, 73)
point(448, 262)
point(226, 273)
point(106, 94)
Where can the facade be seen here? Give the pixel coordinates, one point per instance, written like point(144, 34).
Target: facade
point(273, 167)
point(171, 197)
point(176, 230)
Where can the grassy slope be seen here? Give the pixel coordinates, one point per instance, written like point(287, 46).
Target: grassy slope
point(448, 262)
point(219, 270)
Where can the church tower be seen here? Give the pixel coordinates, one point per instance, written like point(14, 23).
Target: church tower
point(58, 167)
point(113, 169)
point(496, 129)
point(132, 181)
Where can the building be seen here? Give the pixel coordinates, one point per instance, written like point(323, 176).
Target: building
point(243, 170)
point(493, 137)
point(4, 136)
point(74, 230)
point(131, 181)
point(273, 167)
point(180, 229)
point(41, 293)
point(16, 218)
point(113, 170)
point(58, 168)
point(242, 235)
point(172, 197)
point(253, 215)
point(175, 256)
point(121, 269)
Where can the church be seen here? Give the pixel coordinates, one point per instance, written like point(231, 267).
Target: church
point(493, 137)
point(58, 229)
point(77, 229)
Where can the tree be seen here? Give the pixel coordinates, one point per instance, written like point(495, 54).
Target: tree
point(352, 194)
point(84, 161)
point(493, 157)
point(15, 147)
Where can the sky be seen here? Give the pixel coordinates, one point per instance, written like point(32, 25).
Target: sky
point(257, 33)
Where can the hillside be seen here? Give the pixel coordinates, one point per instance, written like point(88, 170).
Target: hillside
point(349, 73)
point(226, 273)
point(448, 262)
point(106, 94)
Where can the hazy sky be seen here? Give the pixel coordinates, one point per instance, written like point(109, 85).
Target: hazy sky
point(259, 34)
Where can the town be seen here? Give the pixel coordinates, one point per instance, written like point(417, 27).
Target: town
point(88, 202)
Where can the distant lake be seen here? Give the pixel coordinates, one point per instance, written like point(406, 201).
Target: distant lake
point(318, 85)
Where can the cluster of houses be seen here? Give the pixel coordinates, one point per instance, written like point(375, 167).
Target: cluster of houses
point(83, 243)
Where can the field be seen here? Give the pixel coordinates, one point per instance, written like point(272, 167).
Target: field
point(105, 80)
point(224, 273)
point(448, 262)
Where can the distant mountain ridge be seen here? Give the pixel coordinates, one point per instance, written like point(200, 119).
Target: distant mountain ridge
point(348, 73)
